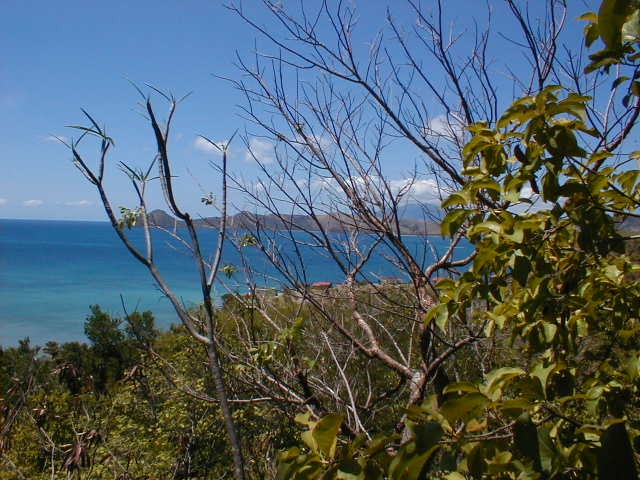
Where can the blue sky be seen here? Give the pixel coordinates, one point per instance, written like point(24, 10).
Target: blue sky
point(58, 57)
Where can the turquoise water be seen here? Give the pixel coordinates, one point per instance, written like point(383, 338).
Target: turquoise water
point(51, 271)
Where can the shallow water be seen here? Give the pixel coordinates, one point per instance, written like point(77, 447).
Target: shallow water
point(51, 271)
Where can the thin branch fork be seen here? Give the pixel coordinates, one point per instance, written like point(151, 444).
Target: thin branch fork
point(206, 280)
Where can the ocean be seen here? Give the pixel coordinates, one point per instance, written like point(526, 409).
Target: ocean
point(52, 271)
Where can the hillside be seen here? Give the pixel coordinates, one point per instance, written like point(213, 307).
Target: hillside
point(334, 223)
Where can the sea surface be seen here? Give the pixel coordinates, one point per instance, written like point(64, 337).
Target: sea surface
point(52, 271)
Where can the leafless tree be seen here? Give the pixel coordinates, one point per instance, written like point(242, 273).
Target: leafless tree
point(202, 328)
point(333, 116)
point(332, 113)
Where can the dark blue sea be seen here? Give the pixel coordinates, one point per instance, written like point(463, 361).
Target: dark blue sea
point(52, 271)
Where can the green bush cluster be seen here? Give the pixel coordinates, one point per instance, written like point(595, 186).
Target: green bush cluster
point(106, 409)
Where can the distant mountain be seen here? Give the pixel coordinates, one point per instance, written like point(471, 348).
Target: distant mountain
point(415, 219)
point(335, 222)
point(420, 211)
point(160, 218)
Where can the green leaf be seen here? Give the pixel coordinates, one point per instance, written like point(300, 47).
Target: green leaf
point(550, 187)
point(615, 457)
point(628, 180)
point(248, 240)
point(454, 476)
point(543, 373)
point(325, 434)
point(589, 16)
point(129, 217)
point(489, 226)
point(304, 419)
point(563, 142)
point(602, 60)
point(631, 28)
point(547, 449)
point(427, 435)
point(525, 439)
point(521, 266)
point(460, 387)
point(453, 220)
point(591, 34)
point(458, 408)
point(497, 379)
point(599, 157)
point(412, 457)
point(229, 270)
point(486, 183)
point(612, 16)
point(619, 81)
point(499, 463)
point(293, 464)
point(439, 314)
point(350, 470)
point(460, 198)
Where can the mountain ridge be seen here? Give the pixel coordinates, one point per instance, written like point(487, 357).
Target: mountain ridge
point(331, 222)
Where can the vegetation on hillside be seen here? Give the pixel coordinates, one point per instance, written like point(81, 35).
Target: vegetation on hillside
point(116, 408)
point(521, 361)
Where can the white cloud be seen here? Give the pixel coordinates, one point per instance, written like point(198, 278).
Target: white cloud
point(3, 201)
point(323, 143)
point(437, 126)
point(206, 146)
point(423, 190)
point(325, 183)
point(262, 151)
point(449, 126)
point(417, 189)
point(79, 203)
point(56, 138)
point(32, 203)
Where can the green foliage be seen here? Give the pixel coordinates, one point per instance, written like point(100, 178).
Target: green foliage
point(228, 270)
point(107, 410)
point(248, 240)
point(617, 24)
point(128, 218)
point(557, 279)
